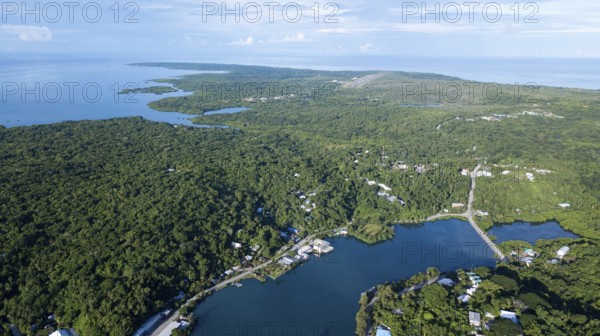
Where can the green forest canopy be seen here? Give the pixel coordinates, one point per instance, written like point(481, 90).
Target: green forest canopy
point(97, 229)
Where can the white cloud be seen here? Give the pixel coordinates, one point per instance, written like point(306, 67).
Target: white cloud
point(295, 38)
point(368, 47)
point(247, 41)
point(27, 33)
point(298, 37)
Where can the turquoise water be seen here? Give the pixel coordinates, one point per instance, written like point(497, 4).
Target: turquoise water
point(48, 92)
point(321, 296)
point(529, 232)
point(36, 90)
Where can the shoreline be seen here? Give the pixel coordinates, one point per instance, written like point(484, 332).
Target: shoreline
point(250, 274)
point(466, 216)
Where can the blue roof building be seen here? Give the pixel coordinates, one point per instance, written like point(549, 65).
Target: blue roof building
point(381, 331)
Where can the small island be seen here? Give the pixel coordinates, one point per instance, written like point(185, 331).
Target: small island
point(157, 90)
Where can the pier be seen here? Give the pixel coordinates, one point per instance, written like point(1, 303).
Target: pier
point(468, 215)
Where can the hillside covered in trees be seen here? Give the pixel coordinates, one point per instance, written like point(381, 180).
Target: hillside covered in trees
point(104, 222)
point(548, 298)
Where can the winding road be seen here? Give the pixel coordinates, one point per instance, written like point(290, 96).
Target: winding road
point(468, 215)
point(236, 278)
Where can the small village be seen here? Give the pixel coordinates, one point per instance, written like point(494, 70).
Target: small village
point(299, 248)
point(298, 253)
point(385, 193)
point(478, 320)
point(536, 111)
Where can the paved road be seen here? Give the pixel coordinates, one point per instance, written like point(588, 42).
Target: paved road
point(218, 286)
point(419, 285)
point(238, 277)
point(468, 215)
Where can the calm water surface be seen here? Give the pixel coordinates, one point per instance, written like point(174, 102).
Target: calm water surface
point(321, 296)
point(529, 232)
point(46, 92)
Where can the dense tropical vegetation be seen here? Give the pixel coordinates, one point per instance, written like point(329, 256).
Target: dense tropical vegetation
point(549, 298)
point(102, 223)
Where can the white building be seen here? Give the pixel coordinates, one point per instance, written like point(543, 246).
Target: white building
point(287, 261)
point(305, 249)
point(474, 319)
point(509, 315)
point(446, 282)
point(384, 187)
point(382, 332)
point(562, 252)
point(64, 332)
point(321, 246)
point(464, 298)
point(527, 260)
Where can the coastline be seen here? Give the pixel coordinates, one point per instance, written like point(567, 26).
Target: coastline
point(467, 216)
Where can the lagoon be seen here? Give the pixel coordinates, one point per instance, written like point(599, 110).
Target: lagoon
point(321, 296)
point(529, 232)
point(44, 92)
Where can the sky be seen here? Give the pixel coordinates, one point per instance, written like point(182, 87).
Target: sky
point(287, 32)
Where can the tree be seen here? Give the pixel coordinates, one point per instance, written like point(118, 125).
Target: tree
point(362, 316)
point(504, 327)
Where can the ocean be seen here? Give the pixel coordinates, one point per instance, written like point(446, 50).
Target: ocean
point(49, 89)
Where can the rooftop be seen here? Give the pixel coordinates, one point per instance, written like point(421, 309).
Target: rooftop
point(381, 331)
point(474, 316)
